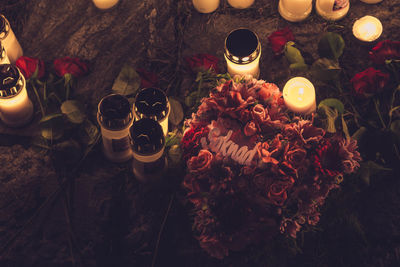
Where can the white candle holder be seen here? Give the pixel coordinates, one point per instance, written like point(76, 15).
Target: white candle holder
point(9, 41)
point(240, 4)
point(148, 145)
point(152, 103)
point(367, 29)
point(299, 95)
point(332, 9)
point(242, 53)
point(295, 10)
point(205, 6)
point(371, 1)
point(16, 109)
point(115, 117)
point(105, 4)
point(3, 55)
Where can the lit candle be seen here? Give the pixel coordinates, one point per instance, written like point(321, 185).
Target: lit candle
point(152, 103)
point(371, 1)
point(148, 145)
point(206, 6)
point(367, 29)
point(16, 109)
point(105, 4)
point(332, 9)
point(295, 10)
point(9, 41)
point(299, 95)
point(241, 4)
point(114, 116)
point(242, 53)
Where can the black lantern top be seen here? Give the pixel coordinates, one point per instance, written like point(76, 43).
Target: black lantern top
point(11, 81)
point(242, 46)
point(147, 137)
point(151, 103)
point(4, 27)
point(114, 112)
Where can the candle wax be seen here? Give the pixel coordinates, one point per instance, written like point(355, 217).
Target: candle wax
point(241, 4)
point(12, 47)
point(105, 4)
point(367, 29)
point(205, 6)
point(299, 95)
point(16, 111)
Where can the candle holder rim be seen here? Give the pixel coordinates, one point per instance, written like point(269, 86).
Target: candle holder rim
point(158, 129)
point(18, 89)
point(253, 56)
point(4, 27)
point(158, 117)
point(124, 122)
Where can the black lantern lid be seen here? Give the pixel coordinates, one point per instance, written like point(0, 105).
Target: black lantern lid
point(11, 81)
point(151, 103)
point(114, 112)
point(242, 46)
point(147, 137)
point(4, 27)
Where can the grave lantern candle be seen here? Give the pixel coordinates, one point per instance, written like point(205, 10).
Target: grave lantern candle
point(295, 10)
point(16, 109)
point(114, 116)
point(332, 9)
point(299, 95)
point(148, 144)
point(152, 103)
point(241, 4)
point(242, 52)
point(367, 29)
point(9, 41)
point(206, 6)
point(105, 4)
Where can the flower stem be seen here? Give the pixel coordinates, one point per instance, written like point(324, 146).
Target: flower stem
point(38, 97)
point(379, 113)
point(392, 104)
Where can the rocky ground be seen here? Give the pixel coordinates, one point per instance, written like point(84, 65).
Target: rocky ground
point(105, 217)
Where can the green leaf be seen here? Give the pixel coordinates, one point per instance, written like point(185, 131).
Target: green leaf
point(176, 114)
point(190, 100)
point(52, 126)
point(127, 81)
point(173, 138)
point(88, 133)
point(395, 128)
point(331, 115)
point(331, 46)
point(325, 70)
point(174, 155)
point(293, 54)
point(74, 111)
point(333, 103)
point(298, 66)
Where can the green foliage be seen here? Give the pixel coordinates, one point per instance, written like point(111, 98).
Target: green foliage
point(127, 82)
point(332, 103)
point(294, 57)
point(74, 111)
point(325, 70)
point(331, 46)
point(52, 126)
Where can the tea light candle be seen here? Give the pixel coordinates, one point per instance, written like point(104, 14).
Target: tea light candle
point(295, 10)
point(152, 103)
point(332, 9)
point(242, 53)
point(16, 109)
point(206, 6)
point(299, 95)
point(148, 145)
point(9, 41)
point(114, 116)
point(371, 1)
point(367, 29)
point(105, 4)
point(241, 4)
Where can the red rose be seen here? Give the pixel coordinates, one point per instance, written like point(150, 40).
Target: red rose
point(190, 142)
point(67, 65)
point(385, 50)
point(201, 162)
point(278, 39)
point(202, 62)
point(148, 79)
point(369, 82)
point(28, 66)
point(277, 192)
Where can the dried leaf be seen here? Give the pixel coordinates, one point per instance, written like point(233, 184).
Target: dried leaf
point(127, 82)
point(176, 114)
point(74, 111)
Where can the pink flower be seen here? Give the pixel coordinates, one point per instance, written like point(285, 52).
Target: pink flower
point(201, 162)
point(250, 128)
point(277, 192)
point(350, 156)
point(304, 132)
point(290, 227)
